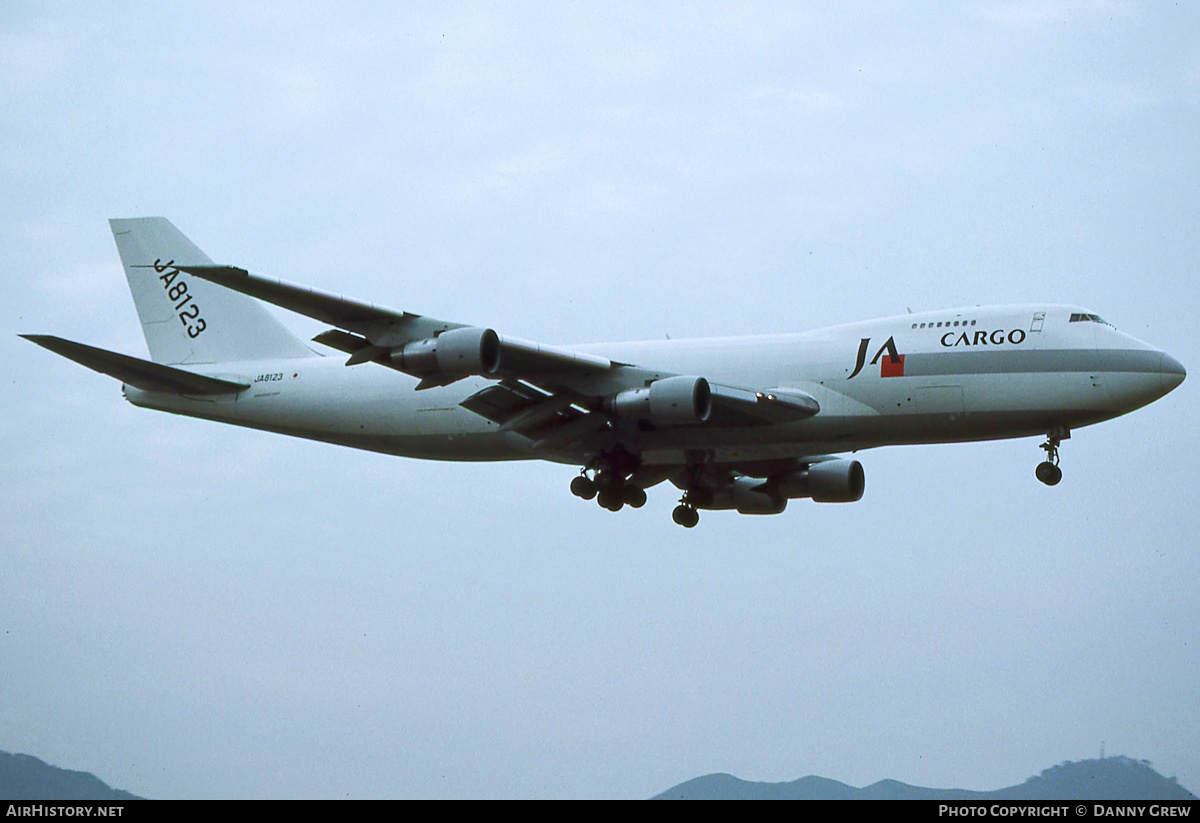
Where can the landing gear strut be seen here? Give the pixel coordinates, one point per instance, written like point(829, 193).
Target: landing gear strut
point(1048, 471)
point(697, 493)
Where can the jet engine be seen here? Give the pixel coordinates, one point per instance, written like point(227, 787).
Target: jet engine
point(456, 352)
point(830, 481)
point(672, 400)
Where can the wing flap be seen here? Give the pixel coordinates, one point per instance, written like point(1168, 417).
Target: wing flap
point(141, 374)
point(502, 401)
point(351, 344)
point(524, 409)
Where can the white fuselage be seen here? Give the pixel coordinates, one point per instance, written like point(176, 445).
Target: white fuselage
point(957, 375)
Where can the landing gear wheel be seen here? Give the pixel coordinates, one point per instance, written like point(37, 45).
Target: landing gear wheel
point(611, 498)
point(685, 516)
point(606, 477)
point(582, 487)
point(1048, 473)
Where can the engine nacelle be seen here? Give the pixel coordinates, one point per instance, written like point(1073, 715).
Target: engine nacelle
point(745, 494)
point(830, 481)
point(456, 352)
point(672, 400)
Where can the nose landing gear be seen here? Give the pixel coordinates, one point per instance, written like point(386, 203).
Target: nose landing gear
point(1048, 471)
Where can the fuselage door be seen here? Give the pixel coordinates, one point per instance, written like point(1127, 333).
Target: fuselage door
point(1038, 319)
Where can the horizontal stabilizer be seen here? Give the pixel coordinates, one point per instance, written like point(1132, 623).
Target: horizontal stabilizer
point(141, 374)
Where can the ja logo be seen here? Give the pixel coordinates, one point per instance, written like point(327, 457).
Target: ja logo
point(893, 366)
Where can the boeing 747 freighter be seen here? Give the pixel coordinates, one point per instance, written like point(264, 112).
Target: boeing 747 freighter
point(741, 423)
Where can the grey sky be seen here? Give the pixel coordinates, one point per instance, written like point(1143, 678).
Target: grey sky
point(191, 610)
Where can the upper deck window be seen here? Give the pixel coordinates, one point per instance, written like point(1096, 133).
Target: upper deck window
point(946, 323)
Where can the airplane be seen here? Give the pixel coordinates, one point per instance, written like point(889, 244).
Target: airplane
point(735, 423)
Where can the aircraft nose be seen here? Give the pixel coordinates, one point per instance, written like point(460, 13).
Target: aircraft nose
point(1170, 373)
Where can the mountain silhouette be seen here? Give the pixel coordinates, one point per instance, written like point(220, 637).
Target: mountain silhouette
point(23, 777)
point(1109, 778)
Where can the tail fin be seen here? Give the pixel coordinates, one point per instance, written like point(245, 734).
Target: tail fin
point(186, 319)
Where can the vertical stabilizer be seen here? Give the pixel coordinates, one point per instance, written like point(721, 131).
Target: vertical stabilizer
point(186, 319)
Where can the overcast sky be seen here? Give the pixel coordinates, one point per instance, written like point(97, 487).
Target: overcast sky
point(193, 610)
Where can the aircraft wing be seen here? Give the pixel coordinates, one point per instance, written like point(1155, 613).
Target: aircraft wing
point(380, 324)
point(555, 395)
point(395, 338)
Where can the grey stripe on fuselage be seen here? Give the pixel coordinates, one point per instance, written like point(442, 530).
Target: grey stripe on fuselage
point(1038, 360)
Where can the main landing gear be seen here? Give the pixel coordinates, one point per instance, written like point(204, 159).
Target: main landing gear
point(609, 490)
point(1048, 471)
point(609, 483)
point(685, 513)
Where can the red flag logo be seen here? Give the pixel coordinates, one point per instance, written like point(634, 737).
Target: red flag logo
point(892, 366)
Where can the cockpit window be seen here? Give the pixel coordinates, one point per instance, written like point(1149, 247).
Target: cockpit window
point(1080, 317)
